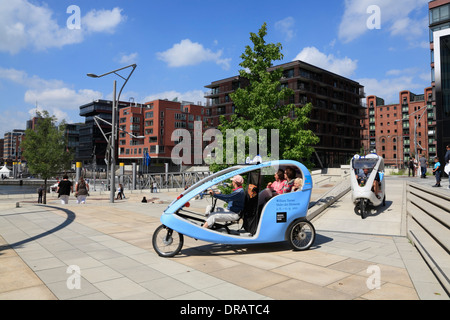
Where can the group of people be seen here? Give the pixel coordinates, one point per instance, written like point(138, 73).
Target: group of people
point(285, 181)
point(65, 188)
point(420, 165)
point(423, 164)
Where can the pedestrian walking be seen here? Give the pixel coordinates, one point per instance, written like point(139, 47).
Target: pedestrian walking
point(40, 192)
point(437, 171)
point(81, 191)
point(120, 192)
point(447, 163)
point(65, 188)
point(423, 166)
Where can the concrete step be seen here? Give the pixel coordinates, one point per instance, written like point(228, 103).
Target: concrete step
point(432, 226)
point(435, 256)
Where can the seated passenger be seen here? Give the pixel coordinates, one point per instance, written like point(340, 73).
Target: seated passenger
point(235, 202)
point(277, 185)
point(289, 175)
point(362, 178)
point(298, 185)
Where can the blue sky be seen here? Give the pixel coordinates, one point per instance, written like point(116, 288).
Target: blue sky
point(180, 46)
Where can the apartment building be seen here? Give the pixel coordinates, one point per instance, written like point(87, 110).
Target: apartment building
point(148, 129)
point(336, 117)
point(401, 131)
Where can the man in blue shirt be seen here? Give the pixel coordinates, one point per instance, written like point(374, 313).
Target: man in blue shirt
point(235, 202)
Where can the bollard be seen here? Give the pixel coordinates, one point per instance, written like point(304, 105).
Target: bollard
point(17, 204)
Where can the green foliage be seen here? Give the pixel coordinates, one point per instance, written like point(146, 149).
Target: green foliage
point(45, 149)
point(261, 104)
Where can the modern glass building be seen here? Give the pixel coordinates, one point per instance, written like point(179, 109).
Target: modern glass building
point(439, 11)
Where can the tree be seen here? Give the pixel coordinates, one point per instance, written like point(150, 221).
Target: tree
point(261, 104)
point(45, 149)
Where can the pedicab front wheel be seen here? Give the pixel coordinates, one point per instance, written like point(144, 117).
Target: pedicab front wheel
point(301, 235)
point(167, 242)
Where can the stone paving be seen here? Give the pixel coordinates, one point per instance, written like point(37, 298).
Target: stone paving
point(111, 246)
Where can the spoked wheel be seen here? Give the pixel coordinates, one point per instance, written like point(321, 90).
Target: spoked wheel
point(167, 242)
point(301, 235)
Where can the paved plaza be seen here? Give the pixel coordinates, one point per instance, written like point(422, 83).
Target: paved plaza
point(42, 249)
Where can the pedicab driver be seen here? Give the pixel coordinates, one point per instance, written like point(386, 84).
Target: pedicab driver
point(235, 202)
point(362, 178)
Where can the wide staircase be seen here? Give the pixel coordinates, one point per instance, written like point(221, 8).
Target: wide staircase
point(428, 228)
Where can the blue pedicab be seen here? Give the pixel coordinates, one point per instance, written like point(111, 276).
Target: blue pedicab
point(280, 218)
point(364, 195)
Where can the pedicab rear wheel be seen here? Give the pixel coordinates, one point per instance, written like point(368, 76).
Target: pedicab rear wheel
point(167, 242)
point(301, 235)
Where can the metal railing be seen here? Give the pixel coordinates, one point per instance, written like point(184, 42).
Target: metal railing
point(164, 181)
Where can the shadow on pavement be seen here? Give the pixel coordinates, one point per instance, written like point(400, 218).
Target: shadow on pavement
point(70, 218)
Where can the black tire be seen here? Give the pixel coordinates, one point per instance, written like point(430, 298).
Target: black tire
point(301, 235)
point(384, 201)
point(167, 242)
point(363, 209)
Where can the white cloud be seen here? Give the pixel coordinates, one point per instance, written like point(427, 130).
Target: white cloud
point(286, 26)
point(389, 89)
point(344, 67)
point(26, 25)
point(129, 59)
point(103, 20)
point(188, 53)
point(194, 96)
point(396, 16)
point(52, 95)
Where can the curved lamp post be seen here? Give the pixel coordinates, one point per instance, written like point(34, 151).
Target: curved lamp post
point(113, 124)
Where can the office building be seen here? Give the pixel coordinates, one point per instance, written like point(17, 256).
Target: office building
point(11, 146)
point(439, 13)
point(336, 117)
point(92, 143)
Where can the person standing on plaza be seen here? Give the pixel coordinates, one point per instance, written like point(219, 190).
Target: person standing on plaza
point(81, 191)
point(423, 166)
point(411, 167)
point(40, 192)
point(416, 166)
point(447, 162)
point(65, 188)
point(437, 171)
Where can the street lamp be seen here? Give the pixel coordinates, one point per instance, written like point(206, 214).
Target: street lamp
point(113, 124)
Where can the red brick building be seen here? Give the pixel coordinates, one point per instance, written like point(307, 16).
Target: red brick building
point(400, 131)
point(156, 121)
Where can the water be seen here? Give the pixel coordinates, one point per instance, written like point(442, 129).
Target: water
point(5, 190)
